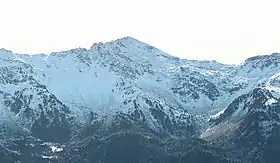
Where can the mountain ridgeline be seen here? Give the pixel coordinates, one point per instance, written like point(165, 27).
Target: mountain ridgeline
point(128, 102)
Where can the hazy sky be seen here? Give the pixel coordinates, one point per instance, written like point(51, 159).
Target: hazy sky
point(224, 30)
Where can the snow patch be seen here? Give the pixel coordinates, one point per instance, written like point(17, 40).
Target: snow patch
point(56, 149)
point(270, 101)
point(215, 116)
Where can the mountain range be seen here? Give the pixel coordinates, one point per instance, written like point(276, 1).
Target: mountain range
point(125, 101)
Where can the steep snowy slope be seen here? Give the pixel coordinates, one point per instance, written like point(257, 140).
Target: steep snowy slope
point(111, 79)
point(105, 78)
point(251, 122)
point(256, 74)
point(129, 85)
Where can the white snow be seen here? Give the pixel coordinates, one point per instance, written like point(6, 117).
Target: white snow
point(56, 149)
point(93, 86)
point(102, 78)
point(53, 146)
point(270, 101)
point(269, 85)
point(217, 114)
point(48, 157)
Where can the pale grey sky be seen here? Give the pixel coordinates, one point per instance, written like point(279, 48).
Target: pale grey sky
point(224, 30)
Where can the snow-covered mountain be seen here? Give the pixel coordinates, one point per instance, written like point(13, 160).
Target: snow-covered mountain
point(126, 83)
point(109, 79)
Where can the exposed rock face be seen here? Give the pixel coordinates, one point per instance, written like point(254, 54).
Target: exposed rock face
point(80, 105)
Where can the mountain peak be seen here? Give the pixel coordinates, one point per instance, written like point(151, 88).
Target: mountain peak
point(126, 41)
point(5, 50)
point(128, 85)
point(263, 61)
point(127, 38)
point(263, 57)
